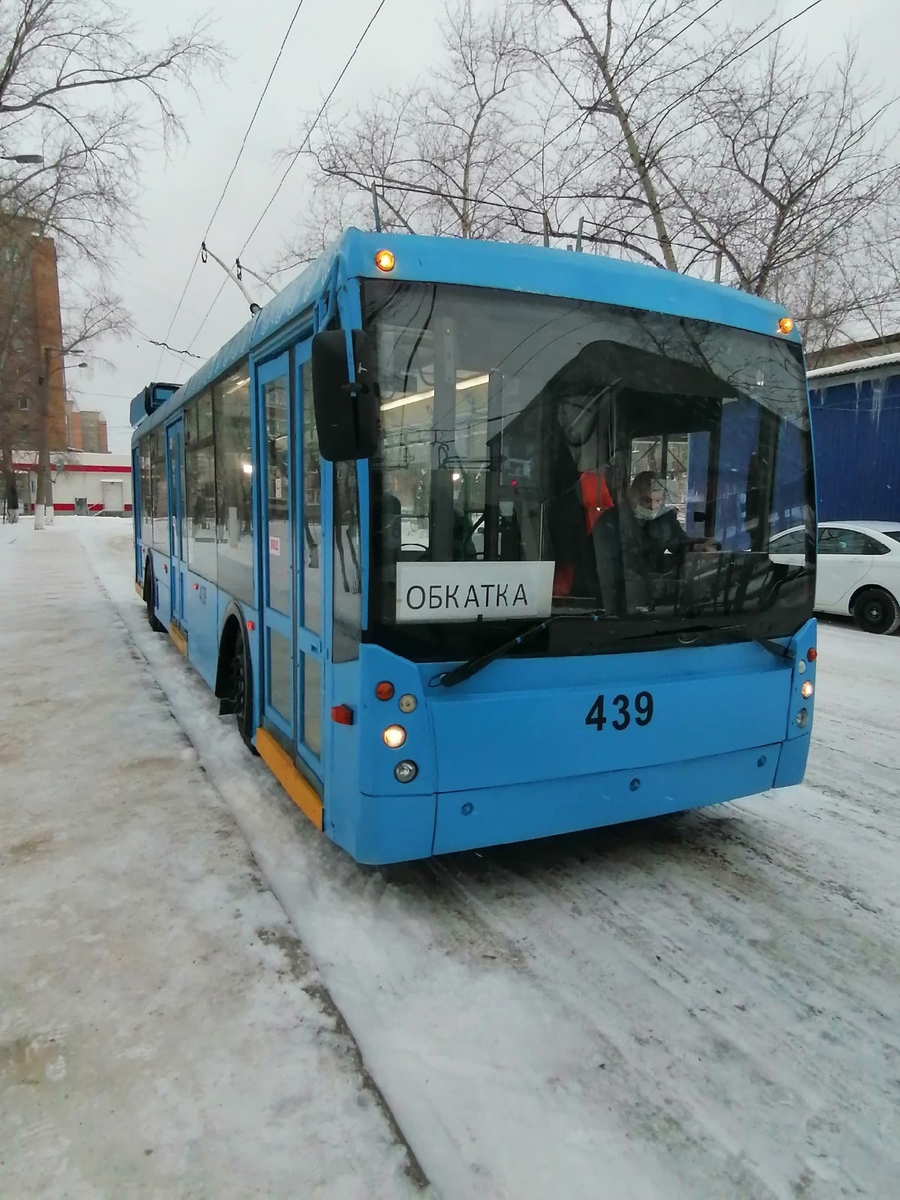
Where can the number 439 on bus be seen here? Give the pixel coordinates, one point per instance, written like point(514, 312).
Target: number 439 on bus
point(643, 711)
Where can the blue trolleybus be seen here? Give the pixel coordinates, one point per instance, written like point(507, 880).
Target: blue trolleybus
point(473, 540)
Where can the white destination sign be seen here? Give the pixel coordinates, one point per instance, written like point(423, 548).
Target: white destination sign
point(462, 591)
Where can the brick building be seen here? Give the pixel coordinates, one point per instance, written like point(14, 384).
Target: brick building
point(30, 339)
point(87, 430)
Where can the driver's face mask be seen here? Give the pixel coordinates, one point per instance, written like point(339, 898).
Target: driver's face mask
point(648, 505)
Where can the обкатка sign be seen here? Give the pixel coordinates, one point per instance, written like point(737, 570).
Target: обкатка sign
point(457, 591)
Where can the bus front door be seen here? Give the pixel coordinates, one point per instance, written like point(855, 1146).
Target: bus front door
point(291, 567)
point(175, 472)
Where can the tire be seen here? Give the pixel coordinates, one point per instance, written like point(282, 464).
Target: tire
point(155, 624)
point(242, 689)
point(876, 611)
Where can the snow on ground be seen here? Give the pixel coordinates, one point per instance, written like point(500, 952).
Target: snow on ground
point(699, 1006)
point(163, 1033)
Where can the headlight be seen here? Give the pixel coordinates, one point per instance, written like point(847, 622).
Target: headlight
point(394, 736)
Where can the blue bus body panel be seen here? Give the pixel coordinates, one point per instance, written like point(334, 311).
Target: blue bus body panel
point(204, 616)
point(710, 700)
point(792, 763)
point(201, 624)
point(507, 755)
point(517, 268)
point(517, 812)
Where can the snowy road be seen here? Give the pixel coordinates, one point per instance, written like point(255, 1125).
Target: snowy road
point(163, 1033)
point(698, 1006)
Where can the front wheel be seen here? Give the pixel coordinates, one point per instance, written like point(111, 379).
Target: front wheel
point(876, 611)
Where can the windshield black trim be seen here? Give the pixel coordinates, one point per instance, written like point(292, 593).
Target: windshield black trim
point(443, 641)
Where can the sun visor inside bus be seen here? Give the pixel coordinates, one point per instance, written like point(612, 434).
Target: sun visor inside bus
point(150, 399)
point(606, 364)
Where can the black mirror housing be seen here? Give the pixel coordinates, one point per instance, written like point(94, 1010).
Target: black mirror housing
point(347, 413)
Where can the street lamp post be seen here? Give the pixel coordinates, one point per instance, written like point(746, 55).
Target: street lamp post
point(25, 159)
point(43, 500)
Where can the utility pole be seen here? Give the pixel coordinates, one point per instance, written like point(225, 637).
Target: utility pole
point(43, 500)
point(43, 496)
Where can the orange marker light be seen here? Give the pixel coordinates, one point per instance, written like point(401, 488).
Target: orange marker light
point(812, 655)
point(384, 690)
point(786, 324)
point(384, 260)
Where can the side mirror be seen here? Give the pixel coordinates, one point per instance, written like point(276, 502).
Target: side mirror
point(347, 414)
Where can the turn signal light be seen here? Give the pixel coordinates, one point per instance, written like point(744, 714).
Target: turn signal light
point(394, 737)
point(384, 690)
point(812, 655)
point(786, 324)
point(384, 260)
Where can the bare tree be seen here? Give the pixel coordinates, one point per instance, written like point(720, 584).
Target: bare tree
point(794, 167)
point(683, 138)
point(631, 70)
point(75, 89)
point(438, 153)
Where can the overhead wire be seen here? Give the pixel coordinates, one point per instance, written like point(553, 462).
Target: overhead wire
point(253, 118)
point(712, 74)
point(312, 127)
point(582, 116)
point(234, 167)
point(294, 157)
point(494, 189)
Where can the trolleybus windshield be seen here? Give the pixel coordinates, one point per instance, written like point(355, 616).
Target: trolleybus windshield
point(543, 455)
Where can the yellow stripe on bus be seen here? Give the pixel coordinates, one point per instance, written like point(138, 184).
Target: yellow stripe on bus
point(178, 638)
point(139, 588)
point(289, 777)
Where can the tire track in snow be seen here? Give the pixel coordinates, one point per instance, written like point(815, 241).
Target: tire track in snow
point(290, 945)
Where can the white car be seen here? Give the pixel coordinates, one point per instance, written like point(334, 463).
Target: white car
point(857, 569)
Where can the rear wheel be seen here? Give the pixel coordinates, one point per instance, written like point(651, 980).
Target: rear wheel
point(242, 689)
point(876, 611)
point(155, 624)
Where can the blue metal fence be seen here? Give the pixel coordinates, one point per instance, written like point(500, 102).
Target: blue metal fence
point(856, 437)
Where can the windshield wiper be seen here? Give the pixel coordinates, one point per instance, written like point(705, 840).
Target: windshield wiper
point(473, 665)
point(774, 648)
point(692, 633)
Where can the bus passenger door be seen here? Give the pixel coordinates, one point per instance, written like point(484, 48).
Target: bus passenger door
point(291, 561)
point(312, 516)
point(277, 559)
point(175, 470)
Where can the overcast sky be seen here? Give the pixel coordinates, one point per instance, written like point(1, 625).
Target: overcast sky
point(180, 193)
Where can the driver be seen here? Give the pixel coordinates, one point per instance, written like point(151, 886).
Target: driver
point(657, 527)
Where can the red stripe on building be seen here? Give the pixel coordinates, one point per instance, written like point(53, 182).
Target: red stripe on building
point(92, 507)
